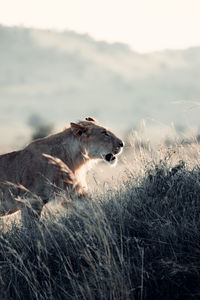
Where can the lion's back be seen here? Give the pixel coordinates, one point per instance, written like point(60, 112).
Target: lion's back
point(8, 165)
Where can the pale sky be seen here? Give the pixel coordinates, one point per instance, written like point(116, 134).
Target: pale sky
point(146, 25)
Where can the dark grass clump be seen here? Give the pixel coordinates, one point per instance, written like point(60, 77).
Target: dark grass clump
point(140, 242)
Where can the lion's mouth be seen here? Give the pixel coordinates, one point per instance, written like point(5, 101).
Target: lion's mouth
point(110, 157)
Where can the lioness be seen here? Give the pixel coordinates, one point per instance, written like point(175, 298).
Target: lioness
point(52, 163)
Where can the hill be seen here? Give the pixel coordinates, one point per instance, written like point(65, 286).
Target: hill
point(66, 76)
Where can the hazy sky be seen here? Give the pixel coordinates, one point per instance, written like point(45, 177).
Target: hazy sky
point(146, 25)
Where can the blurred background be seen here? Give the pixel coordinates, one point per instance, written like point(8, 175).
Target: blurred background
point(132, 65)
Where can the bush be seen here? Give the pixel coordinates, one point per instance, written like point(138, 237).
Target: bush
point(41, 131)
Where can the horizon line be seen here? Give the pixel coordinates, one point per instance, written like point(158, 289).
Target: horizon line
point(97, 40)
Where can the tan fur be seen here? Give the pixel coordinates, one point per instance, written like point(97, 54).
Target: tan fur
point(51, 164)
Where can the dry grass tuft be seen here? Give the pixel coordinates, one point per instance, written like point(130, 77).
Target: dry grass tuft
point(139, 240)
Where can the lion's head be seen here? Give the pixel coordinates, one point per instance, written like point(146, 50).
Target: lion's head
point(99, 142)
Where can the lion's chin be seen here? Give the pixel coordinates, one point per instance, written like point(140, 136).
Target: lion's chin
point(113, 162)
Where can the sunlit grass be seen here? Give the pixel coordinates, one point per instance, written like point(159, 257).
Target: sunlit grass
point(138, 237)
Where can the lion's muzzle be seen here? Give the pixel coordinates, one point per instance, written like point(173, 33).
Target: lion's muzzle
point(111, 157)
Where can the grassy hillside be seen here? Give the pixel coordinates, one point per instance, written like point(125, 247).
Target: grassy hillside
point(67, 76)
point(135, 240)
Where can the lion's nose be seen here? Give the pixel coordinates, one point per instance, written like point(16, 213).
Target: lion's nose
point(121, 144)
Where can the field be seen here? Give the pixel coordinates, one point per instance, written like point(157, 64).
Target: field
point(137, 238)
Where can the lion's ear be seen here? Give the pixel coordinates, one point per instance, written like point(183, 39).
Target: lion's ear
point(78, 129)
point(90, 119)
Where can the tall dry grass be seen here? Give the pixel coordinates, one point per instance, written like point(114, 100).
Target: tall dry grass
point(137, 239)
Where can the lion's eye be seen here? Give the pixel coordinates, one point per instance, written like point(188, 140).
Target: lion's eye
point(106, 133)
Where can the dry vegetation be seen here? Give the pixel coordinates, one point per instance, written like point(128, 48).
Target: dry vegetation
point(137, 240)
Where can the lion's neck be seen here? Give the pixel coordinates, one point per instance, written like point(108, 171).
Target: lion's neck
point(73, 153)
